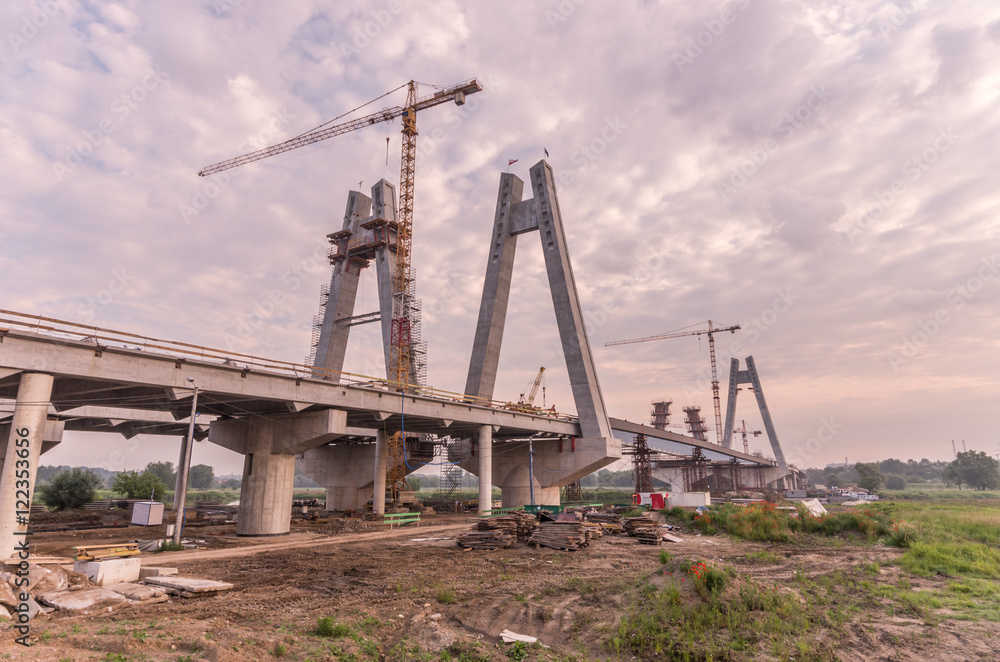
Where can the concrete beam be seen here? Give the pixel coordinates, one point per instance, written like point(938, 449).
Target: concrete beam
point(124, 368)
point(289, 434)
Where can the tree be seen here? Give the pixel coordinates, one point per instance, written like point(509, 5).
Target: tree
point(136, 485)
point(69, 489)
point(162, 470)
point(975, 469)
point(232, 484)
point(201, 477)
point(413, 482)
point(869, 477)
point(833, 480)
point(895, 482)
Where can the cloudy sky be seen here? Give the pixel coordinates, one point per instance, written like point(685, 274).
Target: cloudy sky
point(817, 172)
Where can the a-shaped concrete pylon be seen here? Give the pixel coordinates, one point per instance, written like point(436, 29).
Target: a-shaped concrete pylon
point(555, 463)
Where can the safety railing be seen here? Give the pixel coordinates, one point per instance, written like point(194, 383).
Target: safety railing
point(106, 338)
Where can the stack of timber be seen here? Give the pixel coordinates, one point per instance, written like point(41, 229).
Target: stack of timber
point(635, 524)
point(592, 530)
point(609, 518)
point(518, 524)
point(494, 539)
point(648, 536)
point(560, 535)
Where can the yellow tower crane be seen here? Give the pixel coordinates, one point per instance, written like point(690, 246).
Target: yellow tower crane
point(710, 331)
point(400, 337)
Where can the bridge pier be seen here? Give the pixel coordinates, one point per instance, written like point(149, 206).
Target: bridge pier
point(23, 448)
point(557, 462)
point(347, 472)
point(270, 444)
point(485, 448)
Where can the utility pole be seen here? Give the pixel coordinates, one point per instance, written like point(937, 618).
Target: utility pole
point(182, 471)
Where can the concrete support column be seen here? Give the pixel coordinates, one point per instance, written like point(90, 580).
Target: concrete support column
point(20, 467)
point(485, 468)
point(378, 498)
point(266, 493)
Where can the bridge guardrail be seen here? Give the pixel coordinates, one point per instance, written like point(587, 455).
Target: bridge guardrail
point(56, 328)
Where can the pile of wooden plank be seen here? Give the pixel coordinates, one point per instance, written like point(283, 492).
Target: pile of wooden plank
point(633, 525)
point(606, 518)
point(593, 530)
point(560, 535)
point(518, 524)
point(648, 536)
point(494, 539)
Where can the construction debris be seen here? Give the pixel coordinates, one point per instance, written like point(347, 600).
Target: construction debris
point(189, 587)
point(85, 599)
point(509, 637)
point(570, 536)
point(518, 524)
point(485, 539)
point(140, 592)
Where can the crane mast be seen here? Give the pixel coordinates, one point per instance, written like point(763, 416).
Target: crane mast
point(400, 342)
point(710, 332)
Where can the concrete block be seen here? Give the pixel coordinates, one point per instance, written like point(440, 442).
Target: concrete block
point(77, 600)
point(137, 592)
point(189, 584)
point(156, 572)
point(113, 571)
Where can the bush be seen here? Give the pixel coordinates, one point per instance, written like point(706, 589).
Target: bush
point(135, 485)
point(895, 482)
point(69, 489)
point(327, 627)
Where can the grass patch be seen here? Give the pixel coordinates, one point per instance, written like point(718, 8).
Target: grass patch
point(169, 547)
point(327, 627)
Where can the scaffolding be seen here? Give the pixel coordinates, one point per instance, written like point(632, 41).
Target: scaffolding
point(659, 417)
point(696, 423)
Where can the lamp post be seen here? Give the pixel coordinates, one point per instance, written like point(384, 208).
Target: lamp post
point(184, 468)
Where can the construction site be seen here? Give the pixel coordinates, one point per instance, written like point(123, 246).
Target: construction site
point(453, 579)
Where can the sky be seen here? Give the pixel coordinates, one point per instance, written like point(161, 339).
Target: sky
point(817, 172)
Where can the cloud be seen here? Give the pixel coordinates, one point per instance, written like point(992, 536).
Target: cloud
point(809, 112)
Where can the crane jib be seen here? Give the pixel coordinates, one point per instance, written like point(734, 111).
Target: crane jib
point(456, 93)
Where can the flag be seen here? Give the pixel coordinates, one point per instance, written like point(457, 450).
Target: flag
point(511, 162)
point(546, 152)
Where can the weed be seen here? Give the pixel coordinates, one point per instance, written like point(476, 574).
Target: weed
point(664, 557)
point(169, 547)
point(327, 627)
point(279, 650)
point(518, 651)
point(446, 596)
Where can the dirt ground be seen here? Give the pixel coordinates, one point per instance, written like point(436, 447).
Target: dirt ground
point(412, 593)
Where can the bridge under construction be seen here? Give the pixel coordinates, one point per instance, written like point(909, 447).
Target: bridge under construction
point(63, 376)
